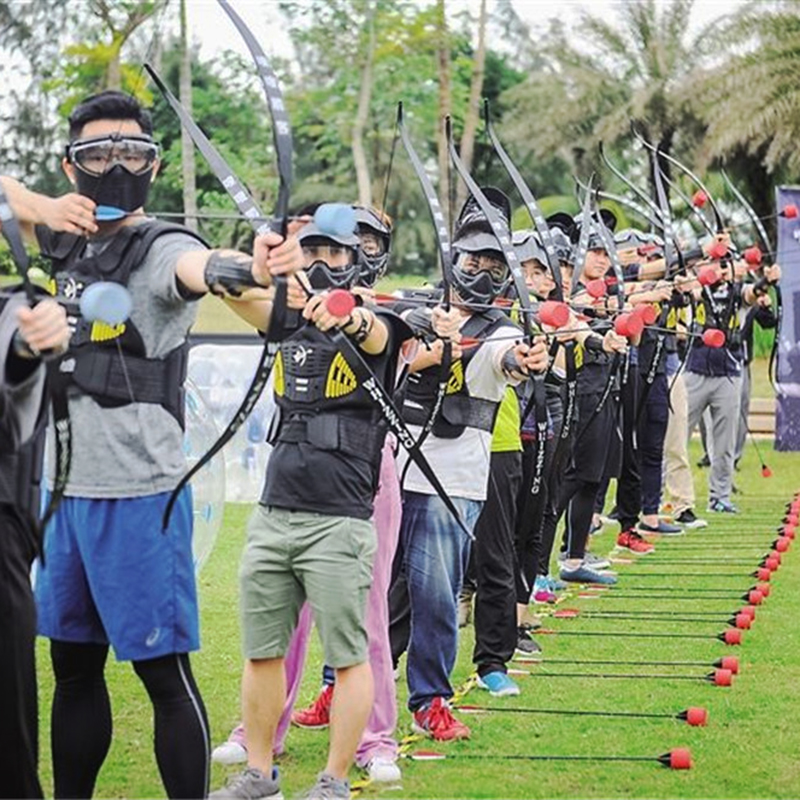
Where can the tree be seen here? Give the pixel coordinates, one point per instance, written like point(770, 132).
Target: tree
point(188, 171)
point(474, 106)
point(752, 100)
point(640, 67)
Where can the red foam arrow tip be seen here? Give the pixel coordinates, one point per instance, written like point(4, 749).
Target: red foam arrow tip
point(699, 198)
point(679, 758)
point(729, 662)
point(764, 588)
point(340, 303)
point(713, 338)
point(596, 288)
point(566, 613)
point(732, 636)
point(755, 598)
point(696, 715)
point(753, 256)
point(766, 472)
point(721, 677)
point(789, 211)
point(743, 621)
point(718, 250)
point(554, 314)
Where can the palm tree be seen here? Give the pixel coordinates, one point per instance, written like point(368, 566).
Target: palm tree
point(635, 67)
point(753, 99)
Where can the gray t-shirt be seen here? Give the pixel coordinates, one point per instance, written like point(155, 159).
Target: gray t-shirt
point(135, 449)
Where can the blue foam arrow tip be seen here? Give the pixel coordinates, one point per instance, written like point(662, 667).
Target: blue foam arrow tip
point(107, 302)
point(108, 213)
point(336, 218)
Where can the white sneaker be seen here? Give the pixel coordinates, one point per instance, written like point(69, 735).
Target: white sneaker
point(229, 753)
point(383, 769)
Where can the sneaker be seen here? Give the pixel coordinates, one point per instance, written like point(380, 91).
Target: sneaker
point(630, 540)
point(662, 528)
point(498, 684)
point(252, 784)
point(585, 574)
point(384, 769)
point(318, 714)
point(438, 722)
point(555, 584)
point(705, 461)
point(596, 562)
point(688, 519)
point(722, 507)
point(229, 752)
point(526, 644)
point(327, 788)
point(541, 591)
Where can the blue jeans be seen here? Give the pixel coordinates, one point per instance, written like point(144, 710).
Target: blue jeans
point(435, 556)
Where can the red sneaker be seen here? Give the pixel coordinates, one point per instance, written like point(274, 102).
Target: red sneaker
point(630, 540)
point(318, 714)
point(438, 722)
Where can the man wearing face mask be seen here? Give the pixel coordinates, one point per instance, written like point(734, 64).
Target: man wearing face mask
point(312, 537)
point(435, 550)
point(111, 576)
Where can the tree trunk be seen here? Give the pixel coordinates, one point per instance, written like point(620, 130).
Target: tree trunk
point(474, 107)
point(364, 97)
point(443, 53)
point(114, 69)
point(187, 146)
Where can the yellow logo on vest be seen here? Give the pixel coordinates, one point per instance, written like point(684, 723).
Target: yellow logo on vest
point(456, 381)
point(701, 314)
point(580, 352)
point(278, 383)
point(341, 378)
point(102, 332)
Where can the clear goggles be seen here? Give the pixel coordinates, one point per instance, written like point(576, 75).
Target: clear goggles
point(98, 155)
point(473, 263)
point(334, 255)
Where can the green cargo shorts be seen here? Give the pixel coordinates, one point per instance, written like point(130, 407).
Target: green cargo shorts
point(293, 556)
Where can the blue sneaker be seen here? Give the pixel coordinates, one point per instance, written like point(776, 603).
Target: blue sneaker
point(722, 507)
point(585, 574)
point(498, 684)
point(555, 584)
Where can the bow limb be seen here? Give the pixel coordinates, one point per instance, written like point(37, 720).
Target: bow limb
point(689, 174)
point(269, 354)
point(446, 258)
point(272, 341)
point(542, 228)
point(765, 240)
point(503, 236)
point(640, 193)
point(56, 385)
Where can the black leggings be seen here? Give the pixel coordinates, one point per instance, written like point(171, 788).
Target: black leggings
point(81, 721)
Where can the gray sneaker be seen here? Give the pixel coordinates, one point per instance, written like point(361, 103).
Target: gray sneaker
point(252, 784)
point(328, 788)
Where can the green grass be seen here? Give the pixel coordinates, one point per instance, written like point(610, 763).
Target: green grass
point(749, 748)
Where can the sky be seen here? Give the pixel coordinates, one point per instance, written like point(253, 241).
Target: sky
point(212, 30)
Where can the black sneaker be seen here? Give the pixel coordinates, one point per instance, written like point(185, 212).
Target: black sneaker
point(526, 644)
point(662, 528)
point(705, 461)
point(688, 519)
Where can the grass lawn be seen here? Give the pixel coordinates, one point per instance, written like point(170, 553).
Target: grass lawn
point(749, 748)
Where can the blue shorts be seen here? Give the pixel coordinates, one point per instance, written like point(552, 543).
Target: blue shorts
point(110, 576)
